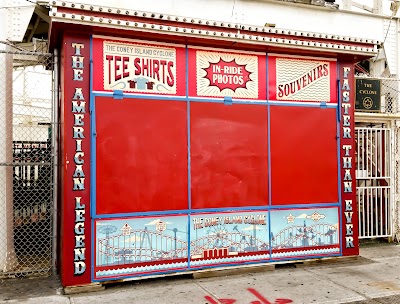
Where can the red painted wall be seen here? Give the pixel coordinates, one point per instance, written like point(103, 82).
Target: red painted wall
point(141, 155)
point(304, 161)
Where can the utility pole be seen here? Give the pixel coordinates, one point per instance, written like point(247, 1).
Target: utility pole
point(8, 260)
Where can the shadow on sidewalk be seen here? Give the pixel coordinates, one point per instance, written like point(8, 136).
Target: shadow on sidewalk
point(24, 288)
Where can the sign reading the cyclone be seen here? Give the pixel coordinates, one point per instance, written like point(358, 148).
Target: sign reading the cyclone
point(226, 74)
point(139, 68)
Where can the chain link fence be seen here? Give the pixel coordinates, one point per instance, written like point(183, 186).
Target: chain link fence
point(390, 107)
point(26, 163)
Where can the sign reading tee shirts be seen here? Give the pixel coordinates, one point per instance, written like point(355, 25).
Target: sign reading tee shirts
point(138, 68)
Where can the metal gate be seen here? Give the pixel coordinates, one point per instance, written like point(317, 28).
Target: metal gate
point(27, 162)
point(374, 181)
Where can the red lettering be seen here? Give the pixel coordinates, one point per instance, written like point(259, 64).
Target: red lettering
point(138, 69)
point(287, 89)
point(109, 58)
point(292, 88)
point(145, 66)
point(156, 66)
point(298, 83)
point(326, 71)
point(280, 91)
point(310, 76)
point(116, 68)
point(170, 77)
point(319, 69)
point(125, 72)
point(304, 81)
point(160, 70)
point(163, 63)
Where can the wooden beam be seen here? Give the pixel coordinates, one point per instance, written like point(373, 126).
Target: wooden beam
point(32, 32)
point(42, 13)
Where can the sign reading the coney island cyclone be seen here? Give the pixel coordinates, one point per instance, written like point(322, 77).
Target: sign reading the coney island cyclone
point(303, 80)
point(139, 68)
point(226, 74)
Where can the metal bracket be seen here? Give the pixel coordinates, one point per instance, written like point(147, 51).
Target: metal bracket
point(118, 94)
point(228, 100)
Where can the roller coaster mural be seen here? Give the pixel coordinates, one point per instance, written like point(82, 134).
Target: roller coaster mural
point(224, 237)
point(214, 236)
point(136, 240)
point(305, 228)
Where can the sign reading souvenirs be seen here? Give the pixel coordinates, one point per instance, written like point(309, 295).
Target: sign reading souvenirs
point(299, 79)
point(368, 95)
point(226, 74)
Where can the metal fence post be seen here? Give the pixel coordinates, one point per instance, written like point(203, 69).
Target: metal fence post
point(55, 133)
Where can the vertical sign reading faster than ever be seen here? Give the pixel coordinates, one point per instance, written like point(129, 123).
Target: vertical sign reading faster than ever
point(349, 206)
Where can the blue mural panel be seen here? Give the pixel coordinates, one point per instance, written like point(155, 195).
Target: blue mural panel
point(304, 232)
point(228, 238)
point(140, 245)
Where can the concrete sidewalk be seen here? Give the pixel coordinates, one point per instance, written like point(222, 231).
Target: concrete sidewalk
point(374, 277)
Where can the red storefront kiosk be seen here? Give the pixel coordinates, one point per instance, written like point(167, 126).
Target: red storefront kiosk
point(188, 144)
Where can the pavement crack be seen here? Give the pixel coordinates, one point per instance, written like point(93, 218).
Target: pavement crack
point(210, 293)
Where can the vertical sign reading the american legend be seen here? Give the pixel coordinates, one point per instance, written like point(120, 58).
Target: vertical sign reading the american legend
point(222, 74)
point(138, 68)
point(76, 147)
point(347, 161)
point(302, 79)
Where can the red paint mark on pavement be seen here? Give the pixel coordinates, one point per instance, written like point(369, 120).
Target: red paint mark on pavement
point(259, 296)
